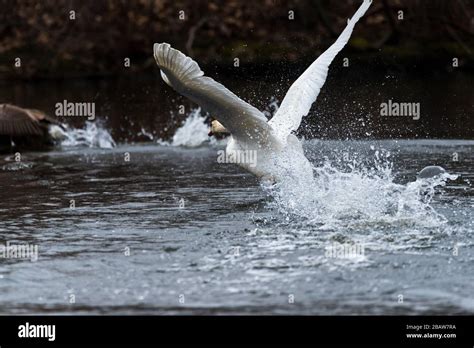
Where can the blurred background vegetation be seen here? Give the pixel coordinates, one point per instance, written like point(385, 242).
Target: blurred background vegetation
point(94, 40)
point(401, 49)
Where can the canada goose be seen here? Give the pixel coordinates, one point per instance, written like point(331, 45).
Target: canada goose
point(279, 153)
point(27, 129)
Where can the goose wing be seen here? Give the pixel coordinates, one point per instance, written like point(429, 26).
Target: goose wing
point(16, 121)
point(184, 76)
point(304, 91)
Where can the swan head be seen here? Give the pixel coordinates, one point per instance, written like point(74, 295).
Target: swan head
point(217, 129)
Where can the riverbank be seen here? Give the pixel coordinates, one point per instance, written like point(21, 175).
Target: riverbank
point(68, 39)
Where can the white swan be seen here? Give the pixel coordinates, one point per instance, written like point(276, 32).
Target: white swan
point(279, 154)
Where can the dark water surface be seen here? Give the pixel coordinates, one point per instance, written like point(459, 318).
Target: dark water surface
point(173, 231)
point(204, 237)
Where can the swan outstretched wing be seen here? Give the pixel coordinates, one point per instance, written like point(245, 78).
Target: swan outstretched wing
point(184, 75)
point(304, 91)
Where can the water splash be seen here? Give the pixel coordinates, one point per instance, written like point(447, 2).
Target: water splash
point(354, 192)
point(92, 135)
point(192, 133)
point(149, 135)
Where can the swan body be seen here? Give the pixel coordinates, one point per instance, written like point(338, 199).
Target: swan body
point(279, 153)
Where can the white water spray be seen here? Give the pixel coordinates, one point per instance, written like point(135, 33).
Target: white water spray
point(359, 193)
point(192, 133)
point(92, 135)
